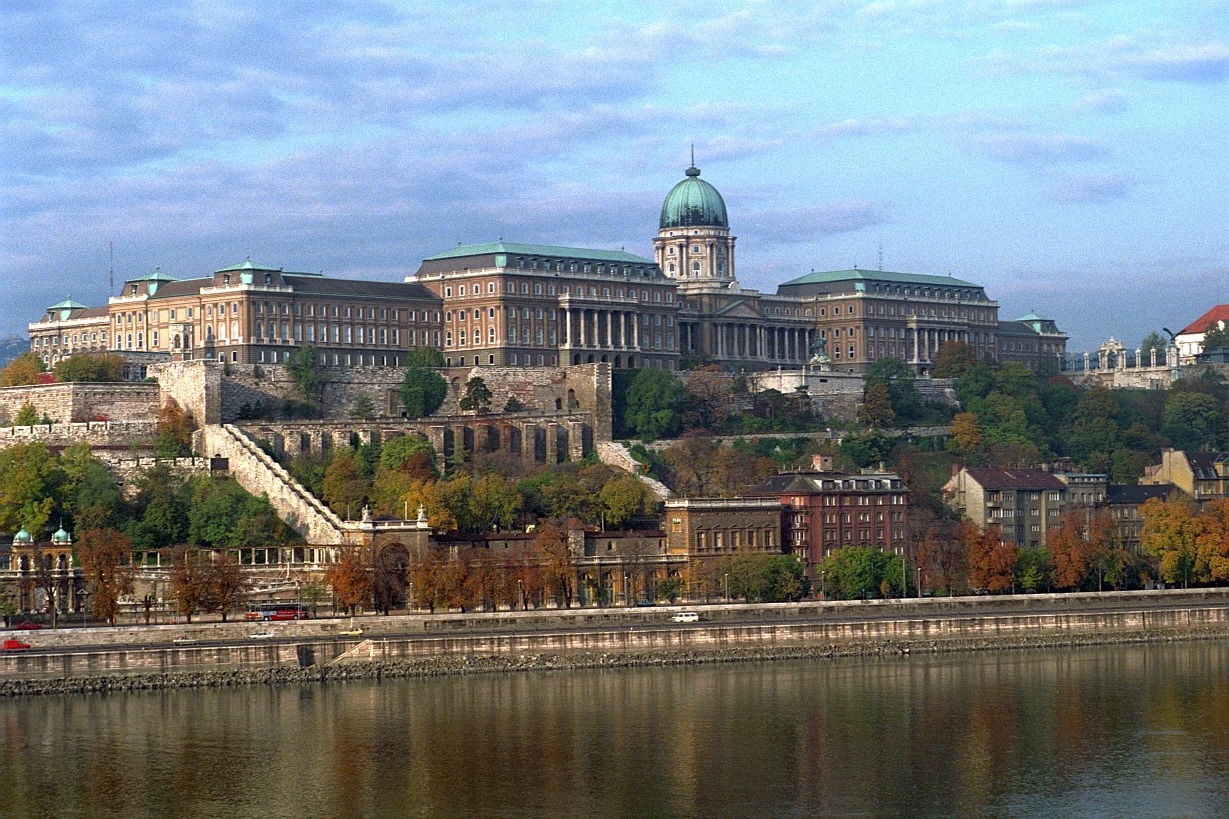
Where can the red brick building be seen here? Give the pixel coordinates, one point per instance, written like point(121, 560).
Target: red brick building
point(825, 510)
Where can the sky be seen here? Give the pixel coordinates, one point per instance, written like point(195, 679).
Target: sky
point(1069, 156)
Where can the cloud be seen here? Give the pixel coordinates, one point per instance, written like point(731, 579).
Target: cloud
point(1045, 149)
point(1144, 55)
point(1094, 189)
point(807, 223)
point(1106, 101)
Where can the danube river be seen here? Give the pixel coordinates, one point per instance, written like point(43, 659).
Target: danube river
point(1139, 730)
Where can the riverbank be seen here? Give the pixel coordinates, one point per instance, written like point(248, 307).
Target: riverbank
point(448, 665)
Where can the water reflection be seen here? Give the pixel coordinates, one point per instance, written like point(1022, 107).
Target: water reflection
point(1139, 730)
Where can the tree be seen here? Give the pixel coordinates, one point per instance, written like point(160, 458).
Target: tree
point(899, 379)
point(224, 584)
point(992, 562)
point(965, 436)
point(655, 400)
point(477, 396)
point(105, 555)
point(855, 572)
point(173, 435)
point(708, 403)
point(1170, 533)
point(304, 370)
point(363, 407)
point(422, 392)
point(30, 479)
point(350, 582)
point(189, 584)
point(343, 488)
point(1153, 341)
point(27, 416)
point(622, 499)
point(426, 357)
point(1078, 546)
point(952, 360)
point(90, 367)
point(1216, 337)
point(1197, 412)
point(21, 371)
point(876, 408)
point(558, 570)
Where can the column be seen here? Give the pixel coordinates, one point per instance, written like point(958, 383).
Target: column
point(584, 342)
point(566, 326)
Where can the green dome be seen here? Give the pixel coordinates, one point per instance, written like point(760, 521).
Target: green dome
point(23, 536)
point(693, 203)
point(61, 536)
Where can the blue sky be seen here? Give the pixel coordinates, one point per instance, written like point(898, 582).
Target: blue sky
point(1070, 156)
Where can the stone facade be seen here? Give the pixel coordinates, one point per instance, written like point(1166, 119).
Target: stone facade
point(79, 402)
point(123, 435)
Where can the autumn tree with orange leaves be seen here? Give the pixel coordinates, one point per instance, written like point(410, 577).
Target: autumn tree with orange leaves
point(992, 562)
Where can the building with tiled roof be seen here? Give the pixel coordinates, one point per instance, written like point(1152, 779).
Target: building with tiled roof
point(1203, 476)
point(825, 509)
point(1190, 338)
point(247, 314)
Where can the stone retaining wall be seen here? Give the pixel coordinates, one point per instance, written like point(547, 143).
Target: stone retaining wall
point(123, 435)
point(78, 402)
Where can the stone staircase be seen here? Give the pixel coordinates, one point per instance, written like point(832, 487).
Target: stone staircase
point(258, 473)
point(613, 453)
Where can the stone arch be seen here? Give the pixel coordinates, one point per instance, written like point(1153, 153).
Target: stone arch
point(605, 359)
point(390, 576)
point(515, 443)
point(572, 402)
point(631, 361)
point(561, 443)
point(618, 362)
point(576, 358)
point(490, 438)
point(590, 359)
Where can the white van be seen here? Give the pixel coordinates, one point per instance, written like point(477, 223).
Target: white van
point(686, 617)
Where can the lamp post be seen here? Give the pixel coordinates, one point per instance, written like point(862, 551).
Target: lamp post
point(727, 587)
point(520, 585)
point(822, 594)
point(919, 581)
point(84, 596)
point(627, 598)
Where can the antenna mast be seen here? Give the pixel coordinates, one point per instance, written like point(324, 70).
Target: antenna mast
point(111, 265)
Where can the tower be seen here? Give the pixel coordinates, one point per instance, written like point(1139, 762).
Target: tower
point(693, 243)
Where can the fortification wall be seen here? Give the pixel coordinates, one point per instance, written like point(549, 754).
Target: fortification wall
point(125, 467)
point(70, 403)
point(195, 385)
point(122, 435)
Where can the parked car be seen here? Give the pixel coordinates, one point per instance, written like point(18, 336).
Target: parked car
point(16, 645)
point(28, 625)
point(686, 617)
point(184, 640)
point(644, 603)
point(261, 635)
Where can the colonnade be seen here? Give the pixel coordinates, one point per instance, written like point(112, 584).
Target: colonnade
point(597, 327)
point(746, 340)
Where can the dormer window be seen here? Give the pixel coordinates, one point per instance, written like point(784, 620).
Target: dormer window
point(226, 279)
point(268, 278)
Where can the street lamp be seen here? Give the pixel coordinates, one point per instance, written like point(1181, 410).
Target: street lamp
point(918, 586)
point(727, 587)
point(627, 598)
point(520, 585)
point(822, 594)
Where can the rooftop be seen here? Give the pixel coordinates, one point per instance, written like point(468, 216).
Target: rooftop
point(825, 277)
point(553, 251)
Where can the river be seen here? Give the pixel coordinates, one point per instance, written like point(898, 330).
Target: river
point(1139, 730)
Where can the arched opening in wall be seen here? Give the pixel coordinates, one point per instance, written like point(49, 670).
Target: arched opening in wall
point(631, 361)
point(618, 362)
point(539, 445)
point(586, 440)
point(326, 441)
point(375, 436)
point(605, 358)
point(576, 358)
point(456, 385)
point(305, 443)
point(390, 578)
point(572, 402)
point(355, 441)
point(466, 442)
point(490, 439)
point(558, 403)
point(61, 563)
point(514, 440)
point(277, 443)
point(449, 445)
point(589, 360)
point(561, 444)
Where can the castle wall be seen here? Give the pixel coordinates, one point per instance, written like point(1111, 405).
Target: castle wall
point(79, 402)
point(123, 435)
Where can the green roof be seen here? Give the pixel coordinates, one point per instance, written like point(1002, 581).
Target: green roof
point(554, 251)
point(156, 276)
point(68, 304)
point(826, 277)
point(693, 203)
point(1032, 316)
point(248, 264)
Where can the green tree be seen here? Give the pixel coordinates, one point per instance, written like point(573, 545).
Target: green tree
point(1216, 337)
point(344, 489)
point(1153, 341)
point(304, 370)
point(477, 396)
point(425, 357)
point(160, 510)
point(422, 391)
point(363, 407)
point(860, 571)
point(654, 404)
point(1193, 415)
point(876, 408)
point(622, 499)
point(30, 479)
point(90, 367)
point(27, 416)
point(494, 502)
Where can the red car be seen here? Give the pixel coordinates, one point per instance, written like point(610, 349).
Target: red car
point(16, 645)
point(28, 625)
